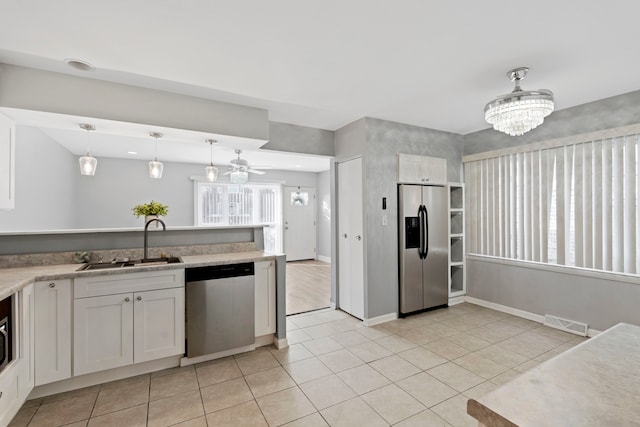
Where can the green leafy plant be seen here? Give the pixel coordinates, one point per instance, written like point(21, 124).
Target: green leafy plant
point(151, 208)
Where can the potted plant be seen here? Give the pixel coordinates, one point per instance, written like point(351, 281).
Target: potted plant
point(150, 210)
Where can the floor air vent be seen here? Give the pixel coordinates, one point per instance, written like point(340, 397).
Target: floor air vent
point(565, 325)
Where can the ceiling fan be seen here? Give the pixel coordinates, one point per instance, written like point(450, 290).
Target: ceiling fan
point(241, 165)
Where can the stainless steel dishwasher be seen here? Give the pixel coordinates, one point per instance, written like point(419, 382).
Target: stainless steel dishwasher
point(220, 308)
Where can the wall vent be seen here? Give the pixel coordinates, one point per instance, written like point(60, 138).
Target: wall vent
point(565, 325)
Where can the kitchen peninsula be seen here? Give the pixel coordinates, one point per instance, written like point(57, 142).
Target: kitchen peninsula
point(595, 383)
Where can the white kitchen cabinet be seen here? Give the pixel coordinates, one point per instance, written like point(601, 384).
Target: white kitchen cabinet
point(158, 324)
point(26, 345)
point(103, 333)
point(265, 298)
point(52, 331)
point(413, 169)
point(7, 163)
point(136, 324)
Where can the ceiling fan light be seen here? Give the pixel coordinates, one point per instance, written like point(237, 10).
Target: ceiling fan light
point(521, 110)
point(211, 173)
point(239, 177)
point(88, 165)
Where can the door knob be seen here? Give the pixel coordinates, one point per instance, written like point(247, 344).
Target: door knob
point(139, 298)
point(358, 237)
point(52, 285)
point(127, 299)
point(345, 235)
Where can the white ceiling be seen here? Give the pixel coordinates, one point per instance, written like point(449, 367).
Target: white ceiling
point(326, 63)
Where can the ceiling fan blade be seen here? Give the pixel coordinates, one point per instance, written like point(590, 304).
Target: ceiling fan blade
point(261, 167)
point(256, 172)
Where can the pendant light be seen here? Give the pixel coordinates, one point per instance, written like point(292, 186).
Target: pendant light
point(521, 110)
point(155, 167)
point(88, 163)
point(211, 171)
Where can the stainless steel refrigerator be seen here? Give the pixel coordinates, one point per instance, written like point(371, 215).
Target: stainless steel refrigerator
point(423, 247)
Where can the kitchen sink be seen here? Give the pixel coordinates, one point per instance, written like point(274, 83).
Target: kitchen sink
point(129, 263)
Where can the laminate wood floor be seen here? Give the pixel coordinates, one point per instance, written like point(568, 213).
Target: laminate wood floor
point(308, 285)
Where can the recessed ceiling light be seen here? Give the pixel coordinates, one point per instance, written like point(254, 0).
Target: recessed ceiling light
point(79, 64)
point(132, 152)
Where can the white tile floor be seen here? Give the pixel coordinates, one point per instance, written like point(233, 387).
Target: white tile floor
point(417, 371)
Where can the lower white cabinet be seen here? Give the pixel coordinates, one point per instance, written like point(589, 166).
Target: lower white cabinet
point(117, 330)
point(158, 324)
point(127, 318)
point(103, 333)
point(52, 353)
point(265, 298)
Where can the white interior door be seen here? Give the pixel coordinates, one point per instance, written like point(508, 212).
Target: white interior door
point(300, 223)
point(350, 240)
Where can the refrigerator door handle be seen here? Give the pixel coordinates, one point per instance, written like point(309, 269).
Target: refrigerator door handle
point(421, 251)
point(426, 231)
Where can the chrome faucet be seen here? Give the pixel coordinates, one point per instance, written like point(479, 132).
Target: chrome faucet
point(146, 235)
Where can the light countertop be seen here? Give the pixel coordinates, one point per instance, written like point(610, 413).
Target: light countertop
point(596, 383)
point(14, 279)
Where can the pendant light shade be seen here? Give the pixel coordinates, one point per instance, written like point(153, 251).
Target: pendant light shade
point(521, 110)
point(88, 163)
point(211, 171)
point(155, 167)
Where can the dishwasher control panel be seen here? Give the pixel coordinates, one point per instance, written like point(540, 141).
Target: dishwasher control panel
point(213, 272)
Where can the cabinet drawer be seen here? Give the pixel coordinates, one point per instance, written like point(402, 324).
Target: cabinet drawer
point(128, 282)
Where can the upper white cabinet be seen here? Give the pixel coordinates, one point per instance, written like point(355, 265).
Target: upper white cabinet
point(265, 298)
point(414, 169)
point(7, 163)
point(127, 318)
point(53, 331)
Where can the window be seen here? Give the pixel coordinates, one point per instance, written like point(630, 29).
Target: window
point(574, 205)
point(225, 204)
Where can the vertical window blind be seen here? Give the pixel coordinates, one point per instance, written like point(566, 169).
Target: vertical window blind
point(574, 205)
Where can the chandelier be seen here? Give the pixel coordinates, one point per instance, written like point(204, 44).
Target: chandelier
point(521, 110)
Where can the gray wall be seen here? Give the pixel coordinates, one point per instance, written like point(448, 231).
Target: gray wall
point(323, 191)
point(380, 169)
point(299, 139)
point(58, 197)
point(598, 302)
point(45, 184)
point(379, 142)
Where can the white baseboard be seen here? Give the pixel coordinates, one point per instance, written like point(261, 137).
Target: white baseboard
point(456, 300)
point(280, 343)
point(517, 312)
point(264, 340)
point(114, 374)
point(332, 305)
point(185, 361)
point(506, 309)
point(380, 319)
point(324, 258)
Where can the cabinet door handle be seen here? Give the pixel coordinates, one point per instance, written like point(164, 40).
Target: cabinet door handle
point(52, 285)
point(139, 298)
point(127, 299)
